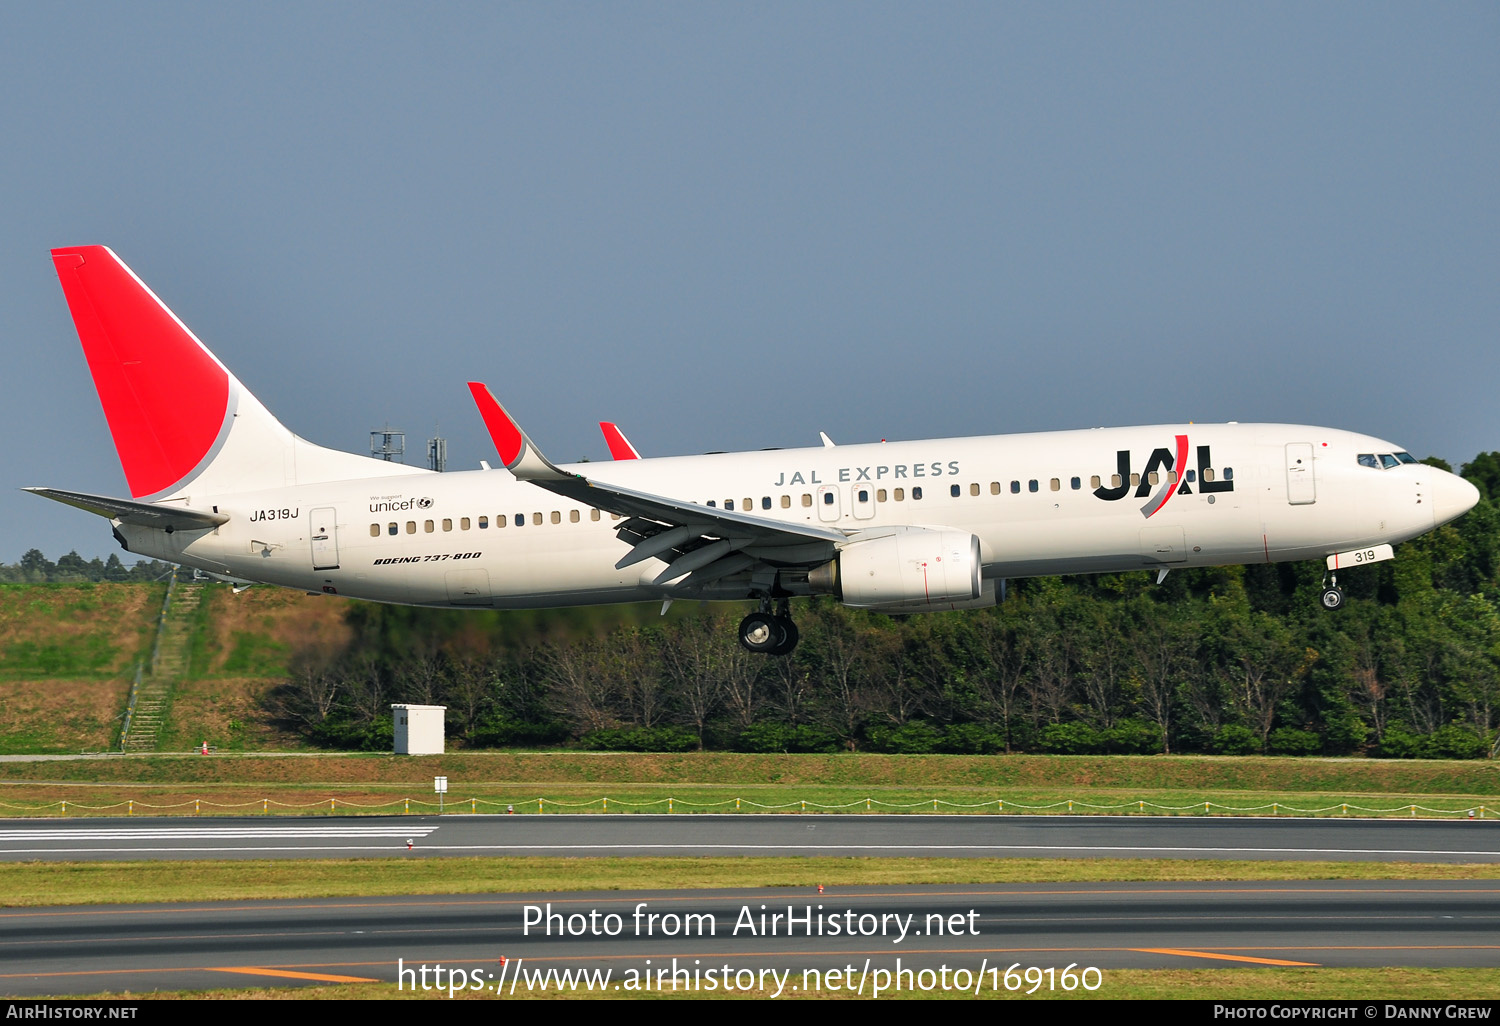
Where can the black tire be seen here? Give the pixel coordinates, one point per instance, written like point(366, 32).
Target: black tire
point(1332, 599)
point(762, 632)
point(790, 637)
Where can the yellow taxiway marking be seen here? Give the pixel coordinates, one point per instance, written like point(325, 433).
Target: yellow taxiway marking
point(321, 977)
point(1225, 958)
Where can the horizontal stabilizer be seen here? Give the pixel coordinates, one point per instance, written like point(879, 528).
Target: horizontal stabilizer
point(137, 514)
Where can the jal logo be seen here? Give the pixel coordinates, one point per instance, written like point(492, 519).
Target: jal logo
point(1163, 462)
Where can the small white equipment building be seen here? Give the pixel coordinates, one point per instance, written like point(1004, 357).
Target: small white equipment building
point(419, 729)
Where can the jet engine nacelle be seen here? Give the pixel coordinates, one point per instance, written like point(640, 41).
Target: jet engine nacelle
point(903, 566)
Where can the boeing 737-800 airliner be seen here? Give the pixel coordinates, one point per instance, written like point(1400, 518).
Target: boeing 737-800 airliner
point(219, 484)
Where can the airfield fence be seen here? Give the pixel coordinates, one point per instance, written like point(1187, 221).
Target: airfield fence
point(542, 805)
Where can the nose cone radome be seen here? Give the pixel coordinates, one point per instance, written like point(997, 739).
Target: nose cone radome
point(1452, 497)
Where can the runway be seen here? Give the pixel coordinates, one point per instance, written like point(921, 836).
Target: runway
point(856, 933)
point(781, 835)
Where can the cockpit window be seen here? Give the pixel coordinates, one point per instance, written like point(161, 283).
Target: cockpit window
point(1388, 461)
point(1406, 457)
point(1367, 459)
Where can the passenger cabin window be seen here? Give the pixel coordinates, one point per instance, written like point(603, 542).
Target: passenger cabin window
point(428, 526)
point(1154, 478)
point(916, 492)
point(463, 523)
point(765, 502)
point(880, 495)
point(729, 503)
point(572, 516)
point(786, 502)
point(828, 498)
point(954, 491)
point(1031, 485)
point(806, 499)
point(1077, 484)
point(973, 489)
point(1135, 479)
point(1191, 475)
point(864, 495)
point(1015, 488)
point(1229, 473)
point(556, 517)
point(593, 514)
point(749, 504)
point(484, 523)
point(898, 494)
point(1056, 485)
point(390, 529)
point(411, 527)
point(1094, 481)
point(447, 523)
point(374, 530)
point(1208, 475)
point(520, 519)
point(1114, 480)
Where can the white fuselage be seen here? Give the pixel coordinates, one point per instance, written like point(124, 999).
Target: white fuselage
point(1039, 504)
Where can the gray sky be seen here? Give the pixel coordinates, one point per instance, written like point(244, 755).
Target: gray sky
point(730, 226)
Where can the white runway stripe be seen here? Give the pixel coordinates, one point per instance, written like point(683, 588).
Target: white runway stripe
point(209, 833)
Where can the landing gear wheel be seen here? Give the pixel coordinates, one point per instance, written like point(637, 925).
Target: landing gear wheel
point(790, 637)
point(1333, 598)
point(762, 632)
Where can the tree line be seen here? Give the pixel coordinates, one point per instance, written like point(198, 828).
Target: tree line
point(1232, 660)
point(35, 568)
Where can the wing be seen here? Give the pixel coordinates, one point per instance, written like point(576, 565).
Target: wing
point(699, 543)
point(140, 514)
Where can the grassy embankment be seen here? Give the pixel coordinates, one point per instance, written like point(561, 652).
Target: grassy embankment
point(67, 654)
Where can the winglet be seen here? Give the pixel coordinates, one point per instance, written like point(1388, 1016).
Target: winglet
point(619, 446)
point(519, 454)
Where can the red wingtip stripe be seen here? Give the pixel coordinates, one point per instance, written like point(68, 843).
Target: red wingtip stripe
point(503, 431)
point(619, 446)
point(164, 395)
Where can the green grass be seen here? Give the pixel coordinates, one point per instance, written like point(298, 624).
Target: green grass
point(253, 655)
point(87, 656)
point(919, 773)
point(213, 798)
point(28, 884)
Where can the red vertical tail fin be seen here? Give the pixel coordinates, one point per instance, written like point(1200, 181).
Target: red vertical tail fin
point(178, 416)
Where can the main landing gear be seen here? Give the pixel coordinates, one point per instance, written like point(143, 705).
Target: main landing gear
point(1333, 596)
point(767, 632)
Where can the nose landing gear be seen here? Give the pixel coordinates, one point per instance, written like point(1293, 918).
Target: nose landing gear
point(767, 632)
point(1333, 596)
